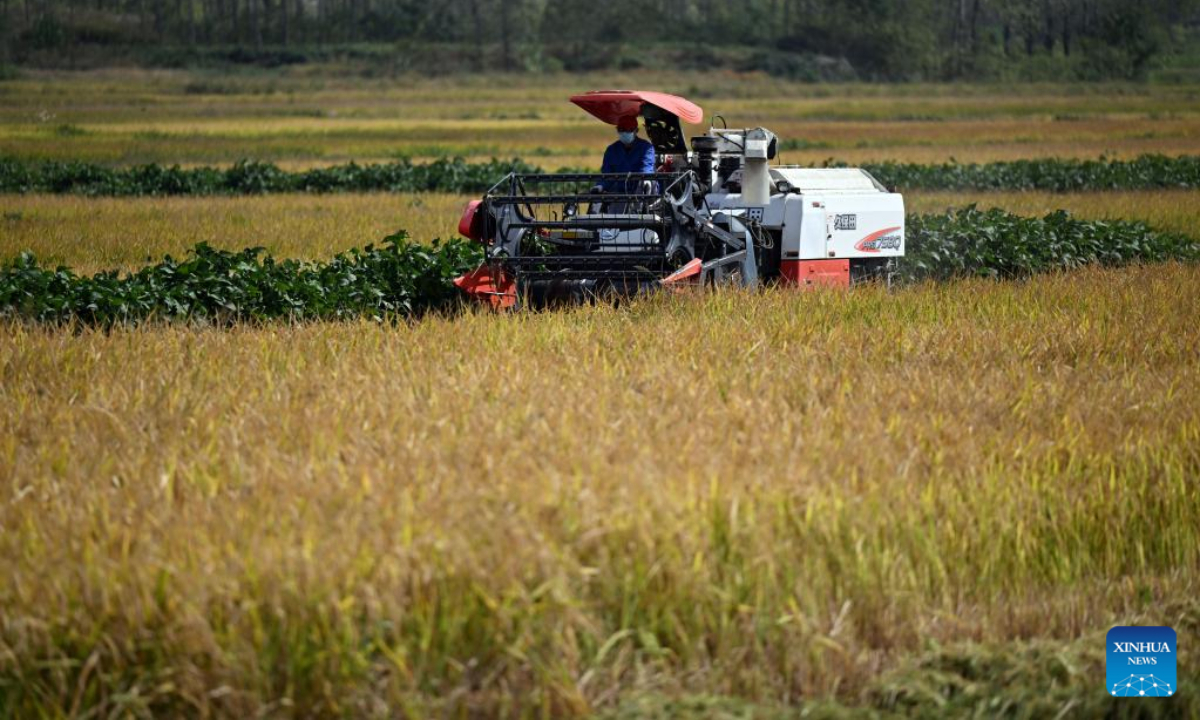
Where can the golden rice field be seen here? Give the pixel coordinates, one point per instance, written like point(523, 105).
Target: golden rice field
point(123, 233)
point(771, 496)
point(301, 120)
point(931, 501)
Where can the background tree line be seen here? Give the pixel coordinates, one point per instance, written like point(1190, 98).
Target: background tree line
point(802, 39)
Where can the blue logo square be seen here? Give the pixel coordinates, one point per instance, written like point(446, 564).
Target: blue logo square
point(1140, 661)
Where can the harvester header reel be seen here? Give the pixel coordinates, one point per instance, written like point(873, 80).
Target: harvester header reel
point(557, 237)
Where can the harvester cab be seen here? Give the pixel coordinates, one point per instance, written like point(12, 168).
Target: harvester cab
point(715, 212)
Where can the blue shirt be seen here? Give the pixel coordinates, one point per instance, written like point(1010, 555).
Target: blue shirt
point(637, 158)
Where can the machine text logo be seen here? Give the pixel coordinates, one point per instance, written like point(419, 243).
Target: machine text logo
point(845, 222)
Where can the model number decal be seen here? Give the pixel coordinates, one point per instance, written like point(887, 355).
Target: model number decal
point(845, 222)
point(887, 242)
point(886, 239)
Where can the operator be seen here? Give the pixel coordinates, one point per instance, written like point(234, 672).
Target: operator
point(629, 154)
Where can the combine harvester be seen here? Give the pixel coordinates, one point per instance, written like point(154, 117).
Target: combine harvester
point(717, 213)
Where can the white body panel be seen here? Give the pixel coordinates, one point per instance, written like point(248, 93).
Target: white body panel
point(829, 213)
point(868, 225)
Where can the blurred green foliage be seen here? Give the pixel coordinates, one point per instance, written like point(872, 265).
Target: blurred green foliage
point(808, 40)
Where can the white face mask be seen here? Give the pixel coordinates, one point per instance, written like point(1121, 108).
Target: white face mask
point(626, 136)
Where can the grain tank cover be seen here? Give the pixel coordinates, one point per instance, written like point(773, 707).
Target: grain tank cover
point(827, 181)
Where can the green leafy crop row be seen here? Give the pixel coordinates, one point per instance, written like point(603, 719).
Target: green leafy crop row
point(399, 278)
point(458, 175)
point(1051, 174)
point(995, 243)
point(251, 178)
point(403, 278)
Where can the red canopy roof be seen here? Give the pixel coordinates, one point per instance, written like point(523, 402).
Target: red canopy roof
point(612, 105)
